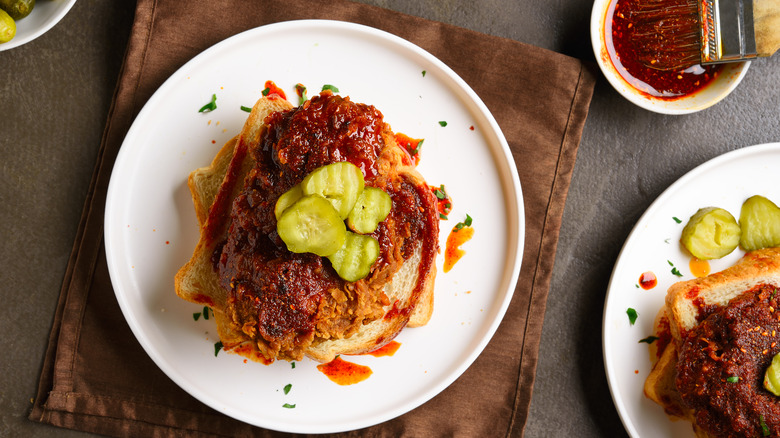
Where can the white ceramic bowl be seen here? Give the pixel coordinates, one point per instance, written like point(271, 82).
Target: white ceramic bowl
point(711, 94)
point(43, 17)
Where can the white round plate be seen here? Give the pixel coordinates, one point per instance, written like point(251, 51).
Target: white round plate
point(653, 245)
point(151, 229)
point(43, 17)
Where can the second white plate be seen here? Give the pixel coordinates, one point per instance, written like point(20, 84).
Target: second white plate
point(43, 17)
point(653, 245)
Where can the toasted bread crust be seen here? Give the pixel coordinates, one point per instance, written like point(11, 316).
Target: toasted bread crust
point(198, 282)
point(204, 183)
point(686, 300)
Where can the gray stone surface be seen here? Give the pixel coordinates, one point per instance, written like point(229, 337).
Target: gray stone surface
point(55, 94)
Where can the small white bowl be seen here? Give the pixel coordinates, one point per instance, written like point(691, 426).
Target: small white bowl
point(719, 88)
point(43, 17)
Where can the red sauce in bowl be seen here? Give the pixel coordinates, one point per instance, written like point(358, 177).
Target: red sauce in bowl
point(627, 41)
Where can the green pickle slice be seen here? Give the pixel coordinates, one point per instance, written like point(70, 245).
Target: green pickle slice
point(760, 222)
point(371, 208)
point(772, 376)
point(7, 27)
point(287, 199)
point(354, 260)
point(311, 224)
point(711, 233)
point(340, 183)
point(17, 9)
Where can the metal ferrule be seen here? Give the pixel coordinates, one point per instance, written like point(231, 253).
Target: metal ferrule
point(727, 31)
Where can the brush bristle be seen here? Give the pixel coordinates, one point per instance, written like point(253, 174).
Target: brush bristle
point(670, 34)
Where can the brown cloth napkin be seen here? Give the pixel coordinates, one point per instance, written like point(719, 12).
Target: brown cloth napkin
point(97, 378)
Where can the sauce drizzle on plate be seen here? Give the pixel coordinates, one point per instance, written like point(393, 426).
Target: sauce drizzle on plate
point(345, 373)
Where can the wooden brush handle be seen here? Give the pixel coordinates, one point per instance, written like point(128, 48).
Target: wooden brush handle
point(766, 19)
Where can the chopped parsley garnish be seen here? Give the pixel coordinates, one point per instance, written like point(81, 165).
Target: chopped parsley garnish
point(196, 316)
point(423, 73)
point(301, 90)
point(211, 106)
point(764, 427)
point(288, 406)
point(632, 315)
point(330, 87)
point(292, 364)
point(217, 347)
point(205, 312)
point(648, 340)
point(246, 108)
point(417, 148)
point(442, 123)
point(287, 388)
point(460, 225)
point(675, 271)
point(440, 192)
point(443, 202)
point(676, 220)
point(732, 379)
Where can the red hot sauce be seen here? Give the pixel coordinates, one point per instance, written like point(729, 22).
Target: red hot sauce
point(344, 373)
point(271, 88)
point(628, 40)
point(648, 280)
point(410, 145)
point(388, 349)
point(452, 252)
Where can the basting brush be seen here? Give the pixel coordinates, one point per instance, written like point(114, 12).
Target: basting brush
point(678, 34)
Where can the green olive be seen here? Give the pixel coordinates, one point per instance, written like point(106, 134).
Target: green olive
point(711, 233)
point(17, 9)
point(311, 224)
point(340, 183)
point(760, 222)
point(772, 376)
point(371, 208)
point(7, 27)
point(354, 260)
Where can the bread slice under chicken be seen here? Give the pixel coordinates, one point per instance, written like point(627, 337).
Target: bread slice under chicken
point(197, 281)
point(660, 385)
point(684, 300)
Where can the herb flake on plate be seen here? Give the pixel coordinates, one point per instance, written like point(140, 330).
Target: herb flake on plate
point(632, 315)
point(211, 106)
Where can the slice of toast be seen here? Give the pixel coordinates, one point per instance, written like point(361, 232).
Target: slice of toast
point(687, 301)
point(198, 282)
point(660, 384)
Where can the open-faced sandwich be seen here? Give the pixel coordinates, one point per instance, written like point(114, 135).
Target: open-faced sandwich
point(318, 236)
point(719, 336)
